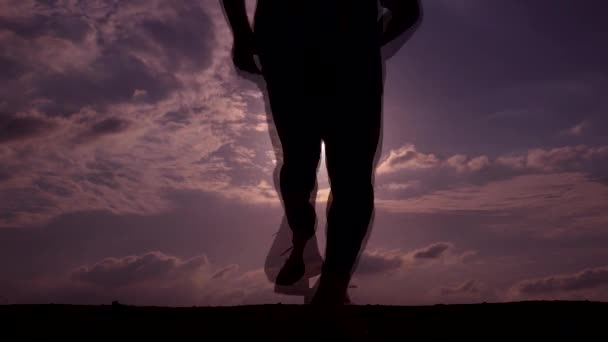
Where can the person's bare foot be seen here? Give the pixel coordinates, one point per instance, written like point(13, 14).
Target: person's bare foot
point(332, 291)
point(294, 268)
point(292, 271)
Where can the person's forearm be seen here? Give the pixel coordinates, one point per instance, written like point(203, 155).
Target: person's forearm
point(236, 11)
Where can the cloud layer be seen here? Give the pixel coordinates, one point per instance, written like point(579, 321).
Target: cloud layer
point(155, 278)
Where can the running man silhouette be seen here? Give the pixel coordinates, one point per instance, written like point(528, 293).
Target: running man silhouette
point(323, 67)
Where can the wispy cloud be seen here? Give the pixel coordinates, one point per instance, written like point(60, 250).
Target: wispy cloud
point(577, 130)
point(407, 158)
point(570, 200)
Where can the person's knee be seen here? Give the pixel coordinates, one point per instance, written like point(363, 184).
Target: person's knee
point(302, 164)
point(297, 179)
point(353, 189)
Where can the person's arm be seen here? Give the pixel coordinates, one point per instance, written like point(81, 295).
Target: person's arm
point(403, 14)
point(243, 50)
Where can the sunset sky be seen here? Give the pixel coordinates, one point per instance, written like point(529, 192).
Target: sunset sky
point(136, 165)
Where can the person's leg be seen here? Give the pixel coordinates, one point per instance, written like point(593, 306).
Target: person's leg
point(301, 151)
point(300, 140)
point(297, 181)
point(351, 138)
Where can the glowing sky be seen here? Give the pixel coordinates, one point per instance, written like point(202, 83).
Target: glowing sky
point(136, 165)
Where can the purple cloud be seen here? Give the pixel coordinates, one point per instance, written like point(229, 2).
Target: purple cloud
point(467, 288)
point(132, 270)
point(154, 276)
point(224, 271)
point(588, 279)
point(433, 251)
point(21, 127)
point(376, 262)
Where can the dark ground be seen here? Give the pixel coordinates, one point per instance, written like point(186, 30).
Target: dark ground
point(519, 321)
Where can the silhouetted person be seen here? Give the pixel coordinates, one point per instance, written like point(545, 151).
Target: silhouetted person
point(322, 63)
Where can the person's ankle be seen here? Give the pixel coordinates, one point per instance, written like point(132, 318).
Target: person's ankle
point(299, 244)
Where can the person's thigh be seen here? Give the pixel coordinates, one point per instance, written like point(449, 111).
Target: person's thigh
point(352, 131)
point(294, 111)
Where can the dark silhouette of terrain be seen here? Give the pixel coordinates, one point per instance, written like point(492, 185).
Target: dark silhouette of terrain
point(517, 321)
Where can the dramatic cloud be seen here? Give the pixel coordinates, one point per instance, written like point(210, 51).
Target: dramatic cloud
point(98, 54)
point(144, 89)
point(588, 279)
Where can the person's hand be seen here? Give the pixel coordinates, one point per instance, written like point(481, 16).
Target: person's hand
point(243, 55)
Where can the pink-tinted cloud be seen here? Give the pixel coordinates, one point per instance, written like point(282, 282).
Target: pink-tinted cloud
point(556, 159)
point(401, 186)
point(564, 157)
point(463, 163)
point(406, 158)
